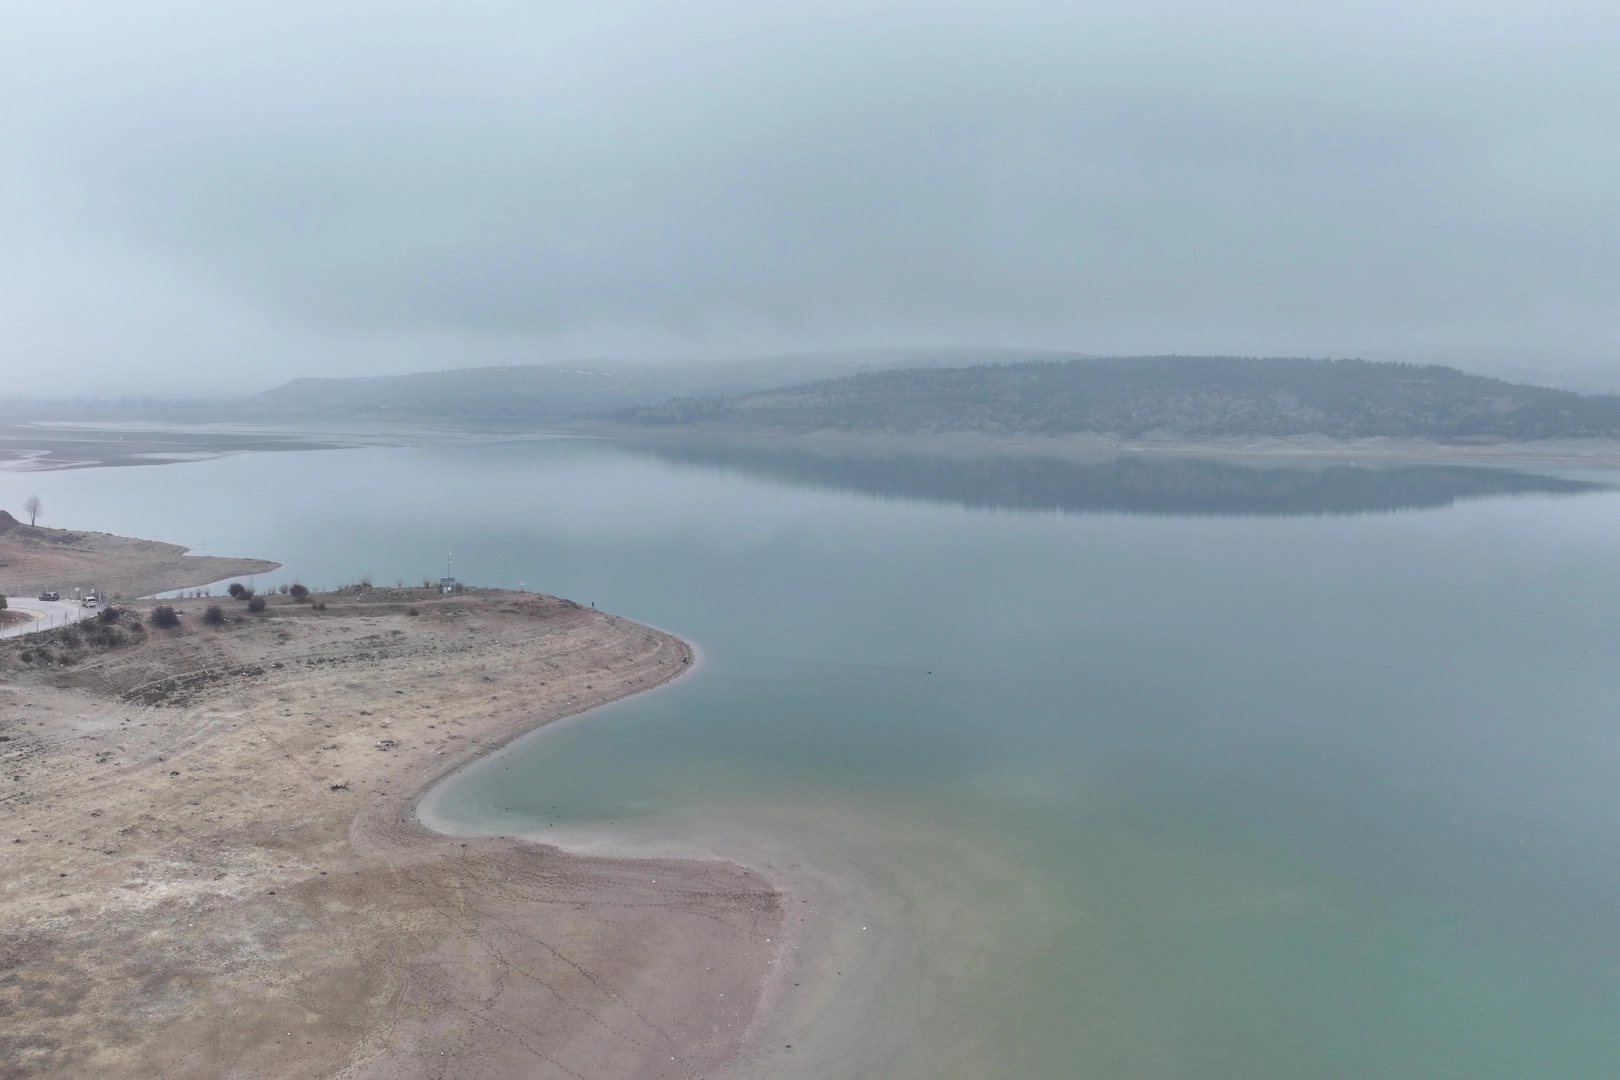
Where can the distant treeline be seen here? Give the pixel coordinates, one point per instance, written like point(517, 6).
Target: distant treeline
point(1193, 396)
point(551, 392)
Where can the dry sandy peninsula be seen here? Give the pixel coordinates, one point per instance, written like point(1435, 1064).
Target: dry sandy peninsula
point(36, 558)
point(211, 867)
point(46, 446)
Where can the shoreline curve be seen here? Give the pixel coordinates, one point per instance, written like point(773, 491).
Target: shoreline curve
point(248, 816)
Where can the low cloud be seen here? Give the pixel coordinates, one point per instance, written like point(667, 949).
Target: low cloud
point(218, 197)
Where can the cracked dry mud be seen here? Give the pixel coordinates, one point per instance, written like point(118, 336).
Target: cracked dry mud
point(211, 868)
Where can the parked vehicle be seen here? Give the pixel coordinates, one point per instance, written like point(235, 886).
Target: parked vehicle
point(50, 596)
point(89, 601)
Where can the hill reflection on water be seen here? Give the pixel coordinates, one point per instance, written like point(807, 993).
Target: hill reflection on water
point(1168, 486)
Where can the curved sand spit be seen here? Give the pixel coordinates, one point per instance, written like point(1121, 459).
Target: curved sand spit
point(212, 868)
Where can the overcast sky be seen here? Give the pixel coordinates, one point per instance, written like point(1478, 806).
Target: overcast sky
point(217, 196)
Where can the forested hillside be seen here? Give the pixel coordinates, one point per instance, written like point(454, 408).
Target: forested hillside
point(1160, 395)
point(550, 392)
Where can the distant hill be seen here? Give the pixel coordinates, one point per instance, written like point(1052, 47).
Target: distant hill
point(1185, 396)
point(560, 391)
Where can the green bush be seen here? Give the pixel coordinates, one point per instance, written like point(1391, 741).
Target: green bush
point(298, 592)
point(214, 616)
point(256, 604)
point(164, 617)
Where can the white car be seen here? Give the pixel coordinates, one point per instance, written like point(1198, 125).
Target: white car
point(90, 601)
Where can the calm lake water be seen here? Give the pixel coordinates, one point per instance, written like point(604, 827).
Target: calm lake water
point(1128, 769)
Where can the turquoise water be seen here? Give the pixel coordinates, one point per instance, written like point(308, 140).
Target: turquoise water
point(1130, 769)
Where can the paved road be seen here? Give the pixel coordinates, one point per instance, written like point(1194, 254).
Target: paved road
point(48, 613)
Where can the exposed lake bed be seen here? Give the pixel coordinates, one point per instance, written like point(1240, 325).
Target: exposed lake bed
point(215, 869)
point(1132, 792)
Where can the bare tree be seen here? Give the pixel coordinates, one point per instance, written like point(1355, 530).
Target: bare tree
point(34, 508)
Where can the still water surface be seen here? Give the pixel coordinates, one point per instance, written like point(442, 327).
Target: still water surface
point(1129, 769)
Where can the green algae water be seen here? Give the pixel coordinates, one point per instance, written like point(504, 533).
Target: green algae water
point(1123, 769)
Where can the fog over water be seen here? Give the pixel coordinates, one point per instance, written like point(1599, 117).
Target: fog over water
point(212, 198)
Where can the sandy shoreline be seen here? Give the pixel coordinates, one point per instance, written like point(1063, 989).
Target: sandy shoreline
point(1092, 446)
point(214, 869)
point(829, 979)
point(809, 956)
point(43, 447)
point(70, 445)
point(34, 559)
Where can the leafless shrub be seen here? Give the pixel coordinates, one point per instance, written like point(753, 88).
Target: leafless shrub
point(103, 635)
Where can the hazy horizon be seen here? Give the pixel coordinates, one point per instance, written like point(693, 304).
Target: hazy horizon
point(214, 200)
